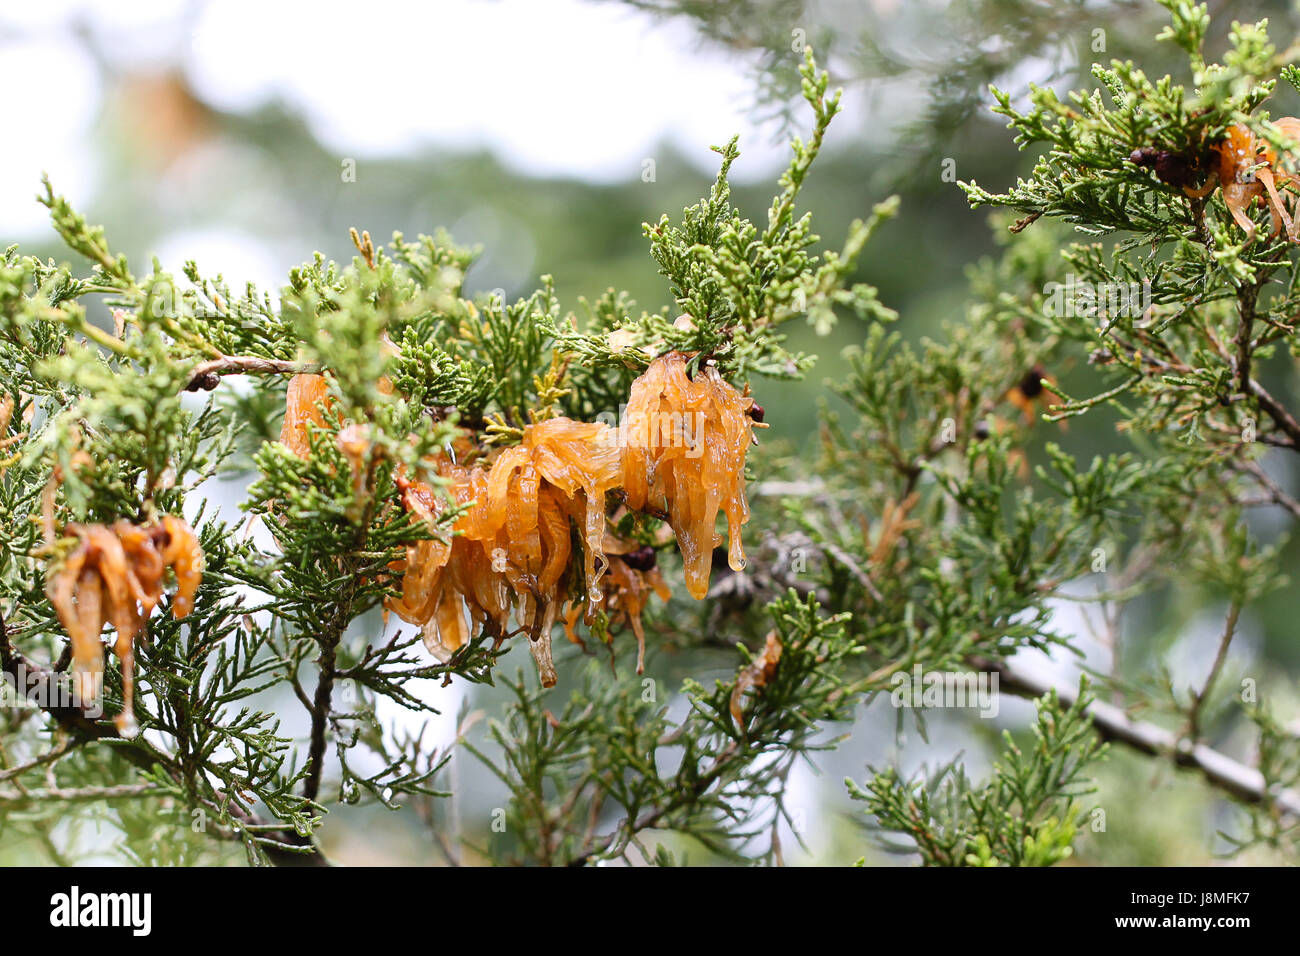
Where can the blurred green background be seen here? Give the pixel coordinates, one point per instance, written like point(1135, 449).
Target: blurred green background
point(228, 132)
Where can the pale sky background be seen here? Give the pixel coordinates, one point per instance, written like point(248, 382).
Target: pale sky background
point(562, 87)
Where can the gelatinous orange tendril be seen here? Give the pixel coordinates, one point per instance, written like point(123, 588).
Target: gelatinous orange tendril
point(754, 676)
point(115, 575)
point(684, 457)
point(1248, 168)
point(303, 408)
point(679, 454)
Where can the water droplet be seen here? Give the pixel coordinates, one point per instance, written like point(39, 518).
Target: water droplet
point(126, 725)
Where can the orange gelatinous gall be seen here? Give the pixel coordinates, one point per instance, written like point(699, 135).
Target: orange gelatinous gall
point(625, 590)
point(115, 576)
point(1248, 168)
point(581, 460)
point(511, 552)
point(684, 447)
point(182, 553)
point(754, 676)
point(303, 408)
point(509, 565)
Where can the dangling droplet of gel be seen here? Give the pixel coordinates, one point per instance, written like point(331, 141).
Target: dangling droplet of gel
point(735, 550)
point(126, 725)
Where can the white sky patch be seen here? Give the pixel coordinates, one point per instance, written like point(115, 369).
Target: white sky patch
point(238, 256)
point(1081, 622)
point(1187, 660)
point(66, 82)
point(1190, 659)
point(557, 88)
point(565, 88)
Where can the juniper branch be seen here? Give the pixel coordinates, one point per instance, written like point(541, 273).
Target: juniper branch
point(1240, 781)
point(204, 375)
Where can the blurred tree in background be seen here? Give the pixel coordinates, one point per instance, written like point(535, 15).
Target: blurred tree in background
point(955, 529)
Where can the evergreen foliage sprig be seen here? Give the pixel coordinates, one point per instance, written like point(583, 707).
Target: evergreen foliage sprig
point(1027, 814)
point(137, 420)
point(941, 520)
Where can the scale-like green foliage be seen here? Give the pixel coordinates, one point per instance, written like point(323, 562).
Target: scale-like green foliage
point(934, 526)
point(1026, 815)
